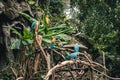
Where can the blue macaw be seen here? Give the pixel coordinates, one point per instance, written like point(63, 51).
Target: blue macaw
point(73, 55)
point(76, 48)
point(59, 44)
point(34, 25)
point(52, 43)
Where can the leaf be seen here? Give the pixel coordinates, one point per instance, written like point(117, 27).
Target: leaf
point(15, 44)
point(64, 37)
point(46, 40)
point(27, 34)
point(29, 18)
point(16, 32)
point(31, 2)
point(62, 26)
point(29, 41)
point(60, 32)
point(24, 42)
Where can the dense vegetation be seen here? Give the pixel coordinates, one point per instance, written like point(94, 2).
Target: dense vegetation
point(100, 19)
point(94, 23)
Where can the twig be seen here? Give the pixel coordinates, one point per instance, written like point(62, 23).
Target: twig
point(47, 57)
point(64, 49)
point(17, 22)
point(13, 71)
point(99, 65)
point(72, 45)
point(59, 54)
point(77, 34)
point(103, 55)
point(36, 61)
point(72, 75)
point(64, 64)
point(92, 62)
point(91, 74)
point(105, 75)
point(19, 78)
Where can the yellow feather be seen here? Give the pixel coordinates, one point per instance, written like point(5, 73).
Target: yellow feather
point(47, 20)
point(59, 44)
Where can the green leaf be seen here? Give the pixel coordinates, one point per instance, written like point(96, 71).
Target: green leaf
point(27, 34)
point(64, 37)
point(24, 42)
point(29, 41)
point(15, 44)
point(62, 26)
point(16, 32)
point(31, 2)
point(29, 18)
point(60, 32)
point(46, 40)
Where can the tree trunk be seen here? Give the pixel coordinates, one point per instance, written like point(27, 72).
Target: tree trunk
point(9, 13)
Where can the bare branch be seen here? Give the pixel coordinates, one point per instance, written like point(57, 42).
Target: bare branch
point(59, 54)
point(111, 78)
point(71, 62)
point(19, 78)
point(47, 57)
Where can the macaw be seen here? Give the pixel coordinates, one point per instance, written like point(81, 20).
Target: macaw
point(47, 19)
point(76, 48)
point(52, 43)
point(53, 40)
point(59, 44)
point(34, 25)
point(73, 55)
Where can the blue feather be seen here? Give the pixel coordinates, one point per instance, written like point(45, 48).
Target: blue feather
point(33, 25)
point(52, 45)
point(76, 48)
point(72, 55)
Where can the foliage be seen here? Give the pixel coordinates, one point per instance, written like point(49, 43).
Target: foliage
point(99, 20)
point(6, 74)
point(23, 40)
point(48, 31)
point(26, 40)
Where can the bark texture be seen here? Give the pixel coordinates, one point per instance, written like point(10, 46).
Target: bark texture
point(9, 15)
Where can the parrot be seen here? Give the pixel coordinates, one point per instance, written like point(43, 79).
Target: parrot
point(34, 25)
point(52, 43)
point(59, 44)
point(47, 19)
point(53, 40)
point(74, 55)
point(76, 47)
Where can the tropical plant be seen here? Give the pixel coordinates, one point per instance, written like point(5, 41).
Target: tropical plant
point(25, 40)
point(48, 31)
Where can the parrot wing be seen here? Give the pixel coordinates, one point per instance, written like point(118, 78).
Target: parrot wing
point(33, 25)
point(52, 45)
point(72, 55)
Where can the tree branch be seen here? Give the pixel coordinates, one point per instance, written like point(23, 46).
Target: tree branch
point(71, 62)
